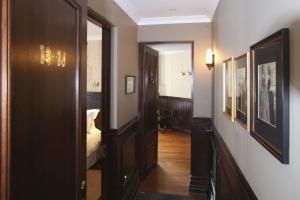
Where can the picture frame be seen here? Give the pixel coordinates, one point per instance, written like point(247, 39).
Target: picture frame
point(270, 89)
point(228, 88)
point(242, 90)
point(129, 84)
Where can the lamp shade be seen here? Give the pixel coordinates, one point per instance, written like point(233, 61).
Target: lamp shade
point(209, 57)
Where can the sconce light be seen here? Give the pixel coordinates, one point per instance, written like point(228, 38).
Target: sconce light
point(210, 59)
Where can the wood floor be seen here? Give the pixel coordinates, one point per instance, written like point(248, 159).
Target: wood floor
point(93, 184)
point(172, 174)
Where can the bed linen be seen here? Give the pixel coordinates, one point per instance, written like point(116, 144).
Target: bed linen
point(93, 146)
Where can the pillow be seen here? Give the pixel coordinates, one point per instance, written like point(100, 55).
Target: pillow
point(91, 115)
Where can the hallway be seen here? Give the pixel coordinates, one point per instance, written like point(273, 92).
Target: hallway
point(172, 175)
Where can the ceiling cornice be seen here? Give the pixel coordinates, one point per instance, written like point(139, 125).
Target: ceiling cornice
point(174, 20)
point(126, 6)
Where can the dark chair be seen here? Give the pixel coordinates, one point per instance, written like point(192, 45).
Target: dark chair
point(166, 116)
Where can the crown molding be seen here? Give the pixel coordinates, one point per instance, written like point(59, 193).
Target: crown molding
point(126, 6)
point(174, 20)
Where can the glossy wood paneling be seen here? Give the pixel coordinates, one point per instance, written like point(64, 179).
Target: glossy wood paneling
point(124, 160)
point(230, 181)
point(182, 108)
point(200, 154)
point(211, 160)
point(94, 102)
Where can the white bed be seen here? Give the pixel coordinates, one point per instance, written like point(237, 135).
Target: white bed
point(93, 139)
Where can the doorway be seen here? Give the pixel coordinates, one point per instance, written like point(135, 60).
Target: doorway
point(94, 89)
point(174, 104)
point(98, 105)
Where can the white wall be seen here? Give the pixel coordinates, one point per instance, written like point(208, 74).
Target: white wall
point(201, 35)
point(94, 65)
point(171, 81)
point(123, 107)
point(237, 25)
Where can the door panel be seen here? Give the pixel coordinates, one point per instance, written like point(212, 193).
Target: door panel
point(149, 106)
point(47, 74)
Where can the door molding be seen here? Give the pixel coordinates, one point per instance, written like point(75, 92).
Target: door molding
point(5, 85)
point(105, 92)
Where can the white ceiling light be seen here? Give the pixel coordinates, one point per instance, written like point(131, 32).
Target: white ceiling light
point(145, 12)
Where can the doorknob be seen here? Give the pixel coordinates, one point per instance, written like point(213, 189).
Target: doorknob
point(83, 190)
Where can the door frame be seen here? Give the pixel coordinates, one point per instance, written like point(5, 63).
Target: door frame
point(141, 80)
point(4, 109)
point(105, 94)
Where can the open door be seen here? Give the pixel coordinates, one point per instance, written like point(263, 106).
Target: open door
point(148, 103)
point(46, 83)
point(99, 99)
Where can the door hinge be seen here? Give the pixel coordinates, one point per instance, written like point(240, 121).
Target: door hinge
point(103, 151)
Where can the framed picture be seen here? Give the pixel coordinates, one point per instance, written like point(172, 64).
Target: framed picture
point(242, 90)
point(129, 84)
point(228, 88)
point(270, 87)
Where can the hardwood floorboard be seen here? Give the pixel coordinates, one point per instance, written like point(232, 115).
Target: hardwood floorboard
point(93, 184)
point(172, 174)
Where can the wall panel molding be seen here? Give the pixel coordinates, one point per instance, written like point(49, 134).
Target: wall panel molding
point(237, 186)
point(213, 166)
point(124, 158)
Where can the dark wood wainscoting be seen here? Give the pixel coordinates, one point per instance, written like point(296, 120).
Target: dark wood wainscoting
point(213, 166)
point(200, 154)
point(94, 102)
point(230, 183)
point(182, 108)
point(124, 159)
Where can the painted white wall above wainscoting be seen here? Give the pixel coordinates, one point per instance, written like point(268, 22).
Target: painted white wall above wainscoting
point(201, 35)
point(175, 74)
point(236, 26)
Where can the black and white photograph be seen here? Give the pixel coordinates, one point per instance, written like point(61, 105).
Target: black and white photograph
point(267, 93)
point(228, 86)
point(270, 94)
point(241, 89)
point(129, 84)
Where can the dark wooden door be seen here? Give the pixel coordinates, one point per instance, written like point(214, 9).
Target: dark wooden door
point(47, 99)
point(149, 106)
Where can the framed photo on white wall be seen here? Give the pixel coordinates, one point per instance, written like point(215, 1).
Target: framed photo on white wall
point(228, 88)
point(270, 89)
point(242, 90)
point(129, 84)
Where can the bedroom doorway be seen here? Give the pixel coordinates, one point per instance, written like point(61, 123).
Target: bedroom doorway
point(94, 89)
point(171, 120)
point(98, 107)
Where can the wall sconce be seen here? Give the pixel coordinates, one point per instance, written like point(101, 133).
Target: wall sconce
point(210, 59)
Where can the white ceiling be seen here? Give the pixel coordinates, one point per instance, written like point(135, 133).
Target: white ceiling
point(171, 48)
point(94, 32)
point(147, 12)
